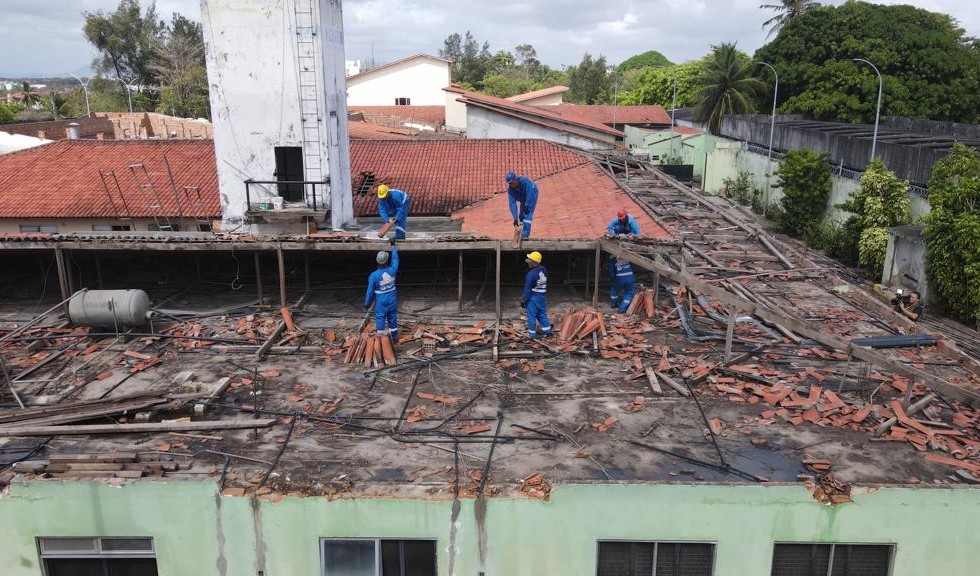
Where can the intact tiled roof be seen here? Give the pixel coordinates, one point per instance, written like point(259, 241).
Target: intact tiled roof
point(609, 115)
point(538, 93)
point(431, 115)
point(444, 175)
point(62, 179)
point(367, 131)
point(575, 203)
point(543, 114)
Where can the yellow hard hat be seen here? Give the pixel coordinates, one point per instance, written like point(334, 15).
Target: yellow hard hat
point(534, 257)
point(382, 191)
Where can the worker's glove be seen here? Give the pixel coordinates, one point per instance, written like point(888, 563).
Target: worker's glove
point(391, 220)
point(523, 303)
point(367, 306)
point(515, 223)
point(391, 241)
point(526, 210)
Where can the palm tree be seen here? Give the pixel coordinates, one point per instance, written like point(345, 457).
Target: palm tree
point(726, 86)
point(786, 11)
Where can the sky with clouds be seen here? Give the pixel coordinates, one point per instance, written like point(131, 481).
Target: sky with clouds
point(44, 36)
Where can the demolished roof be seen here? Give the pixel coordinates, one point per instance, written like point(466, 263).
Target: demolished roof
point(612, 115)
point(427, 115)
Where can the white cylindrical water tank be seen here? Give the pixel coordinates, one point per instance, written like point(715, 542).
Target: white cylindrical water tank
point(109, 308)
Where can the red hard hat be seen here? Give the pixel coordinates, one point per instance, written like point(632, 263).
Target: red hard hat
point(621, 214)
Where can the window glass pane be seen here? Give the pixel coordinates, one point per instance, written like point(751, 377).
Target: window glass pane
point(420, 558)
point(668, 559)
point(695, 559)
point(73, 567)
point(127, 544)
point(861, 560)
point(132, 566)
point(67, 545)
point(643, 554)
point(349, 558)
point(614, 559)
point(800, 559)
point(391, 558)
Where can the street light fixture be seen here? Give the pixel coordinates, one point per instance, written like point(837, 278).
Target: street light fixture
point(129, 94)
point(772, 126)
point(88, 109)
point(874, 139)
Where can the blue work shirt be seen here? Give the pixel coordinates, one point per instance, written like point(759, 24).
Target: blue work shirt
point(535, 282)
point(619, 268)
point(381, 282)
point(526, 193)
point(619, 227)
point(393, 205)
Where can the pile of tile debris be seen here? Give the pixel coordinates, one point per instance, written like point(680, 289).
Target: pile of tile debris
point(373, 349)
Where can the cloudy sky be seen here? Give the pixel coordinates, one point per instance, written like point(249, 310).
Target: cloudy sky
point(44, 36)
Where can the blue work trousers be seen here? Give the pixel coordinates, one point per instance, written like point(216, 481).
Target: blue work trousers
point(526, 219)
point(623, 289)
point(386, 309)
point(537, 313)
point(401, 219)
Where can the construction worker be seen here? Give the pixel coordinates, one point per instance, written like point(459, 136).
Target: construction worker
point(623, 224)
point(381, 292)
point(393, 206)
point(533, 298)
point(522, 190)
point(623, 284)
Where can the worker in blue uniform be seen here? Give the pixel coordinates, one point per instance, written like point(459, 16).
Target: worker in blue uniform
point(381, 292)
point(393, 204)
point(623, 223)
point(522, 190)
point(533, 299)
point(623, 284)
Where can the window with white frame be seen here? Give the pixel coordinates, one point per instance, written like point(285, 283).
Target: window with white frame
point(378, 557)
point(97, 556)
point(655, 559)
point(810, 559)
point(403, 101)
point(110, 228)
point(29, 228)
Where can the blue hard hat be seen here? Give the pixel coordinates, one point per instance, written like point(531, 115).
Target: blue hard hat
point(511, 177)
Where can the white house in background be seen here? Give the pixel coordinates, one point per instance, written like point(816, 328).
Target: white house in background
point(414, 81)
point(551, 96)
point(352, 67)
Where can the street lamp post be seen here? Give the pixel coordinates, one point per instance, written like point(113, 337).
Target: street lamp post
point(874, 138)
point(129, 95)
point(88, 109)
point(772, 128)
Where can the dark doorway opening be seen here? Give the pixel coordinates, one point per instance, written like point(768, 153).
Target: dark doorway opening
point(289, 168)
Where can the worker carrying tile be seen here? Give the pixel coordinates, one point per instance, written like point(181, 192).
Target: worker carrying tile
point(393, 207)
point(623, 223)
point(533, 299)
point(381, 292)
point(522, 190)
point(623, 284)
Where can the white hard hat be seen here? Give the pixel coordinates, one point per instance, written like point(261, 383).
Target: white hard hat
point(381, 258)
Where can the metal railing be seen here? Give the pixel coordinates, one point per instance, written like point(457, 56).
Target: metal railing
point(309, 190)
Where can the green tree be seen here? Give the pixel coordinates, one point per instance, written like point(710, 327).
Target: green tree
point(804, 177)
point(126, 40)
point(786, 10)
point(8, 112)
point(471, 60)
point(726, 86)
point(29, 96)
point(589, 82)
point(881, 203)
point(952, 233)
point(179, 64)
point(929, 67)
point(656, 85)
point(648, 59)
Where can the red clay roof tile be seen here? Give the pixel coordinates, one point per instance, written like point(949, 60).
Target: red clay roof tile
point(62, 179)
point(610, 115)
point(430, 115)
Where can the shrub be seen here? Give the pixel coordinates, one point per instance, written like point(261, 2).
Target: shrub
point(804, 177)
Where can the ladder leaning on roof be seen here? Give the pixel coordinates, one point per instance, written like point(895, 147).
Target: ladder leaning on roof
point(195, 203)
point(119, 199)
point(154, 204)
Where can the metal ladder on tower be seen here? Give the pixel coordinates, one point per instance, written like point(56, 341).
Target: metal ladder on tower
point(154, 204)
point(309, 93)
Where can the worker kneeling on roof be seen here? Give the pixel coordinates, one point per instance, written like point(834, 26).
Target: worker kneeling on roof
point(623, 283)
point(623, 223)
point(533, 299)
point(522, 190)
point(393, 206)
point(381, 291)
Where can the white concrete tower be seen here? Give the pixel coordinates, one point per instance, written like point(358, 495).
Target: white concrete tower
point(279, 107)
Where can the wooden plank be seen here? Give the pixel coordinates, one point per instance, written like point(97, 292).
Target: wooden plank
point(273, 338)
point(135, 428)
point(680, 388)
point(654, 383)
point(796, 325)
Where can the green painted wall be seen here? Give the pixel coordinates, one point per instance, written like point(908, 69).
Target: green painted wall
point(197, 532)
